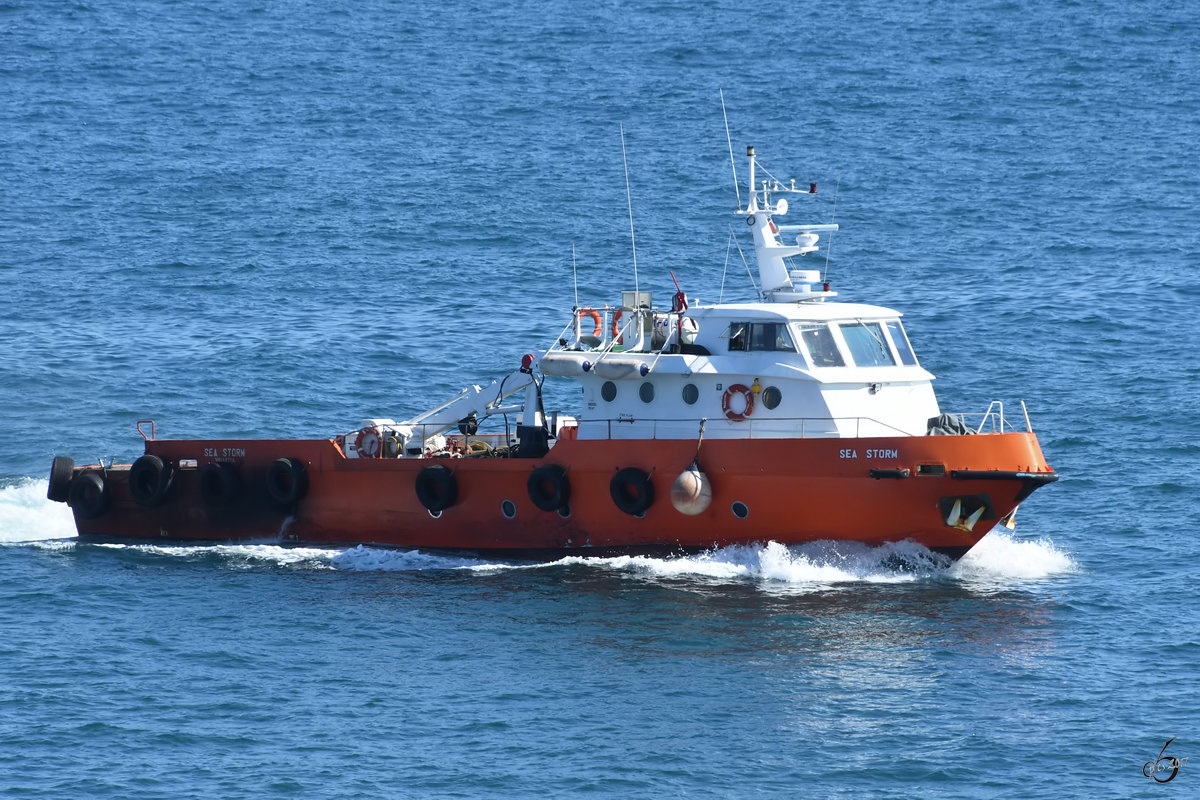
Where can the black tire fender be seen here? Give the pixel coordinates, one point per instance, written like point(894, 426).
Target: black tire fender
point(150, 478)
point(89, 494)
point(220, 484)
point(549, 487)
point(287, 481)
point(632, 490)
point(61, 471)
point(437, 488)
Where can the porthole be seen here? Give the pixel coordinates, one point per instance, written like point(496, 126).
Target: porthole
point(608, 391)
point(435, 514)
point(509, 509)
point(646, 392)
point(690, 394)
point(739, 510)
point(565, 512)
point(772, 397)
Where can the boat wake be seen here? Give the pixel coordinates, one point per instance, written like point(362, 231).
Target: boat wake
point(27, 516)
point(999, 561)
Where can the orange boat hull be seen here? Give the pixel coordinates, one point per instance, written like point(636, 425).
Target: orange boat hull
point(785, 490)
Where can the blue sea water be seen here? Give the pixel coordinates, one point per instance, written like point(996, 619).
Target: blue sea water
point(275, 219)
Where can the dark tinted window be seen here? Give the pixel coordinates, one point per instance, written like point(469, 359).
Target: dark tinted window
point(771, 336)
point(739, 336)
point(760, 336)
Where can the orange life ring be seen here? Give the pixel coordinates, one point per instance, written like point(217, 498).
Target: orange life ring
point(744, 391)
point(595, 315)
point(369, 443)
point(616, 327)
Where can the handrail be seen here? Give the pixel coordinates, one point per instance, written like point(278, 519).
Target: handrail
point(988, 415)
point(610, 341)
point(562, 335)
point(801, 427)
point(773, 427)
point(995, 415)
point(631, 325)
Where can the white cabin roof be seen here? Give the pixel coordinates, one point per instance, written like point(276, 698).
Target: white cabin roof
point(793, 312)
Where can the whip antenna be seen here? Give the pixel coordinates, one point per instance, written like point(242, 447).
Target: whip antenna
point(829, 247)
point(744, 263)
point(729, 141)
point(575, 274)
point(728, 251)
point(629, 201)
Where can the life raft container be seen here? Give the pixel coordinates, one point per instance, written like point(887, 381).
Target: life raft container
point(437, 489)
point(737, 389)
point(631, 490)
point(549, 488)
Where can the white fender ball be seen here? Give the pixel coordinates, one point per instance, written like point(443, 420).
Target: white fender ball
point(691, 492)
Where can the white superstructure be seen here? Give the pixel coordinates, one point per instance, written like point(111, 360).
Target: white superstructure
point(794, 364)
point(809, 366)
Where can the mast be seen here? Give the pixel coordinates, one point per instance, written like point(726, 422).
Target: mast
point(780, 282)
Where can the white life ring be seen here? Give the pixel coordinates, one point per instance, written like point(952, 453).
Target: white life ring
point(369, 443)
point(727, 404)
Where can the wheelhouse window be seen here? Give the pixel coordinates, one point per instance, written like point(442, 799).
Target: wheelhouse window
point(867, 346)
point(739, 336)
point(821, 347)
point(760, 336)
point(900, 340)
point(771, 336)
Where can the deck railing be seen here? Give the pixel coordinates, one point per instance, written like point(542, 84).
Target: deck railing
point(989, 422)
point(719, 428)
point(992, 420)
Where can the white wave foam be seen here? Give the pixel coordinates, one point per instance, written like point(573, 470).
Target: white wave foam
point(998, 561)
point(373, 559)
point(1001, 559)
point(26, 515)
point(355, 559)
point(797, 568)
point(244, 555)
point(815, 565)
